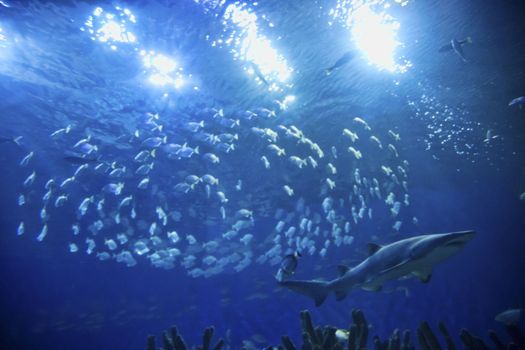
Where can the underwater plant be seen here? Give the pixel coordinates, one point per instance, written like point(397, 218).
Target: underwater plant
point(174, 341)
point(356, 338)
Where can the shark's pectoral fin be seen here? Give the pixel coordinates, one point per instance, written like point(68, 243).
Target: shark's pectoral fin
point(373, 288)
point(423, 275)
point(340, 295)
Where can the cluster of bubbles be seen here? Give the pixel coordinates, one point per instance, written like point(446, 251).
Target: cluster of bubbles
point(450, 129)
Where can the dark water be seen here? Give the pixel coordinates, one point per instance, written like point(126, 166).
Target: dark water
point(53, 75)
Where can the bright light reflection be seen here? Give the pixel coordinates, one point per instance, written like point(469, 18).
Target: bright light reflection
point(111, 31)
point(163, 69)
point(373, 31)
point(160, 79)
point(163, 64)
point(283, 105)
point(289, 99)
point(375, 37)
point(249, 45)
point(178, 83)
point(109, 27)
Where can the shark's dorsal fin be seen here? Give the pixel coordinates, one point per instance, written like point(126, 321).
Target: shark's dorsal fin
point(372, 248)
point(342, 269)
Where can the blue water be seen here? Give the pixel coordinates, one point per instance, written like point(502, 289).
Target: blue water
point(52, 74)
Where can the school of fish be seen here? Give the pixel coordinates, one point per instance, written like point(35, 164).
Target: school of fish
point(200, 194)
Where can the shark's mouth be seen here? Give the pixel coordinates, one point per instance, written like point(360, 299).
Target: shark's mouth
point(456, 243)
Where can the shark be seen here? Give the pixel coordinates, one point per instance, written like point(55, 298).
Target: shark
point(415, 256)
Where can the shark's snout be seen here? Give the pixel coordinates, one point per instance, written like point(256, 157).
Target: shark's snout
point(459, 238)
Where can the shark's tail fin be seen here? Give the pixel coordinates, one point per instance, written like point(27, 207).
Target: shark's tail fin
point(317, 290)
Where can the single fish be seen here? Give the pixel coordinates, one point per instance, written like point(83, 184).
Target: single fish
point(212, 158)
point(222, 197)
point(143, 184)
point(458, 49)
point(50, 184)
point(247, 115)
point(144, 155)
point(277, 150)
point(362, 122)
point(144, 169)
point(210, 179)
point(229, 123)
point(352, 135)
point(30, 179)
point(154, 142)
point(60, 201)
point(187, 152)
point(67, 181)
point(258, 73)
point(227, 137)
point(43, 234)
point(265, 162)
point(83, 141)
point(298, 161)
point(182, 187)
point(15, 140)
point(225, 147)
point(73, 248)
point(83, 207)
point(80, 169)
point(172, 148)
point(87, 148)
point(78, 158)
point(210, 139)
point(21, 229)
point(509, 317)
point(449, 47)
point(194, 126)
point(265, 113)
point(26, 159)
point(125, 201)
point(347, 57)
point(113, 188)
point(520, 101)
point(288, 266)
point(62, 131)
point(118, 172)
